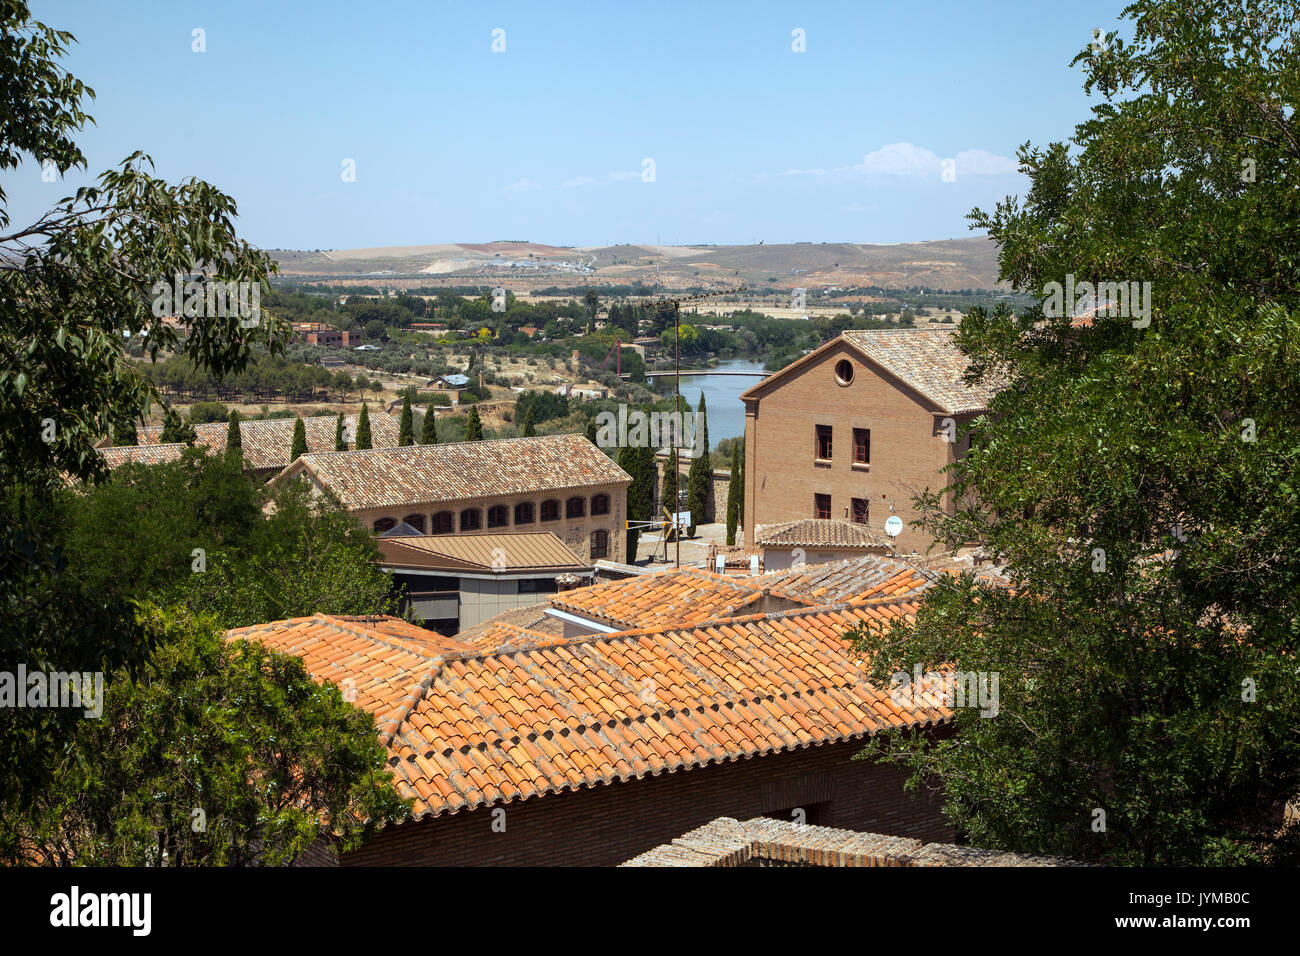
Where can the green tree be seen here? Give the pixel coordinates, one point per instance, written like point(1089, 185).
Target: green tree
point(429, 430)
point(591, 429)
point(299, 446)
point(234, 434)
point(244, 736)
point(124, 433)
point(1137, 472)
point(734, 493)
point(406, 430)
point(363, 429)
point(671, 479)
point(176, 430)
point(340, 438)
point(529, 429)
point(473, 427)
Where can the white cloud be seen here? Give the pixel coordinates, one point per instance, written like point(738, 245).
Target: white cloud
point(522, 186)
point(908, 159)
point(980, 162)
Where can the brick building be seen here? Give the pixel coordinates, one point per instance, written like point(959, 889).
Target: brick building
point(318, 333)
point(558, 483)
point(519, 747)
point(853, 429)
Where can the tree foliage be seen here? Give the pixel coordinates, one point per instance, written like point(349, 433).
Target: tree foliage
point(1139, 480)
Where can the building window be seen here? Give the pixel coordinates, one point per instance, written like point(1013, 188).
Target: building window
point(824, 442)
point(416, 522)
point(862, 446)
point(600, 504)
point(443, 522)
point(575, 507)
point(821, 506)
point(524, 513)
point(844, 372)
point(537, 585)
point(859, 510)
point(550, 510)
point(599, 544)
point(385, 524)
point(498, 516)
point(471, 519)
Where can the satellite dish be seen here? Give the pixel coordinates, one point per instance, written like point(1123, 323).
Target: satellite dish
point(894, 526)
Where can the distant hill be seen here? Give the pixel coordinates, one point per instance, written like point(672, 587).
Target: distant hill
point(946, 264)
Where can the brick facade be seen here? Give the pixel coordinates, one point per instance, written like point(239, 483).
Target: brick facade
point(610, 824)
point(908, 448)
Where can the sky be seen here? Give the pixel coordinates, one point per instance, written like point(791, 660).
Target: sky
point(339, 125)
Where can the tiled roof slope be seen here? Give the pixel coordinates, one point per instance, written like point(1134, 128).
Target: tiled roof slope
point(522, 551)
point(764, 841)
point(862, 578)
point(268, 442)
point(433, 474)
point(472, 729)
point(928, 361)
point(119, 455)
point(682, 596)
point(819, 533)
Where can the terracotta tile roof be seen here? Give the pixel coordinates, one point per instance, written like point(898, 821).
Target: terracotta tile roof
point(532, 618)
point(268, 442)
point(483, 553)
point(863, 578)
point(120, 455)
point(677, 596)
point(820, 533)
point(928, 361)
point(434, 474)
point(764, 841)
point(477, 728)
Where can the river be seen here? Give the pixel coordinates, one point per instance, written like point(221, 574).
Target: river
point(721, 395)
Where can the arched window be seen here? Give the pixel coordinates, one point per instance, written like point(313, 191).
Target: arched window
point(498, 516)
point(599, 544)
point(600, 504)
point(550, 510)
point(444, 522)
point(524, 513)
point(575, 507)
point(416, 522)
point(471, 519)
point(385, 524)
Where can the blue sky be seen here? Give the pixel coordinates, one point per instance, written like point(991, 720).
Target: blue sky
point(548, 140)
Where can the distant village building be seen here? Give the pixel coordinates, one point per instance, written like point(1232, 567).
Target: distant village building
point(318, 333)
point(854, 428)
point(558, 483)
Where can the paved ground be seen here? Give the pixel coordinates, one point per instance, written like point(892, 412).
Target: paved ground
point(650, 547)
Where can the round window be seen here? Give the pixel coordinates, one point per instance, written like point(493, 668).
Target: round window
point(844, 371)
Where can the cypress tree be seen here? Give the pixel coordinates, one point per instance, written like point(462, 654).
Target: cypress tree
point(530, 430)
point(234, 435)
point(406, 431)
point(340, 443)
point(734, 492)
point(700, 476)
point(740, 495)
point(629, 460)
point(473, 427)
point(591, 430)
point(671, 479)
point(299, 446)
point(363, 428)
point(429, 430)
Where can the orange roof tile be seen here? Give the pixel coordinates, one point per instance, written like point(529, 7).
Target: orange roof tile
point(472, 727)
